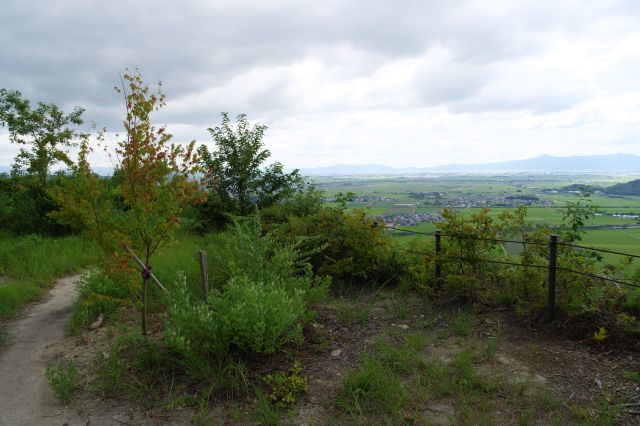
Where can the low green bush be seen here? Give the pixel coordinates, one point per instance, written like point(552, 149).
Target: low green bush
point(350, 247)
point(285, 389)
point(261, 306)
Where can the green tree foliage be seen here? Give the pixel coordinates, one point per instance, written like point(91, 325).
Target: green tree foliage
point(575, 215)
point(237, 169)
point(25, 206)
point(45, 131)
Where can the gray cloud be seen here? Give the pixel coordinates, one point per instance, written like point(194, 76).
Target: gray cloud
point(278, 60)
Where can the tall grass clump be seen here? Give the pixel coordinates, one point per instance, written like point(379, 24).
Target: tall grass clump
point(99, 295)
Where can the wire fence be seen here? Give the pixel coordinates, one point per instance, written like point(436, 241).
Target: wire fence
point(552, 265)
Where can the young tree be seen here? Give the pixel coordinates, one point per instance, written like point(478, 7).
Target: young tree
point(45, 130)
point(237, 170)
point(155, 182)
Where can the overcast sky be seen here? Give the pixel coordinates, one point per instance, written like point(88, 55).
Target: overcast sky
point(401, 83)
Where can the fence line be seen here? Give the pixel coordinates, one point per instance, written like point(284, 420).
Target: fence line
point(471, 237)
point(552, 266)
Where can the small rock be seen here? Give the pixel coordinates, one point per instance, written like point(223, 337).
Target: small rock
point(97, 323)
point(598, 382)
point(403, 326)
point(336, 352)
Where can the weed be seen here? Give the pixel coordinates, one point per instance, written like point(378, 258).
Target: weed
point(64, 380)
point(99, 295)
point(463, 322)
point(372, 388)
point(632, 375)
point(492, 346)
point(430, 316)
point(285, 389)
point(232, 380)
point(400, 308)
point(264, 411)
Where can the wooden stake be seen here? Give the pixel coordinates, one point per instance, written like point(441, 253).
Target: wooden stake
point(204, 275)
point(144, 268)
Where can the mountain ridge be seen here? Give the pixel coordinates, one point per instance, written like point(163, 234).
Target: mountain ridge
point(542, 163)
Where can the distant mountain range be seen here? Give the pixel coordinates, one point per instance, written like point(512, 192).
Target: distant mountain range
point(617, 163)
point(613, 163)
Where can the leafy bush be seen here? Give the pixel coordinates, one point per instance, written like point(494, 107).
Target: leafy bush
point(581, 298)
point(260, 307)
point(350, 247)
point(25, 207)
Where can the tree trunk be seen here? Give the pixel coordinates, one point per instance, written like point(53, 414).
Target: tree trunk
point(145, 290)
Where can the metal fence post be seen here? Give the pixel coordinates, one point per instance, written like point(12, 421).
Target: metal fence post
point(438, 265)
point(551, 281)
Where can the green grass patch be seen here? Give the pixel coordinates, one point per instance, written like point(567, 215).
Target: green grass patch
point(29, 264)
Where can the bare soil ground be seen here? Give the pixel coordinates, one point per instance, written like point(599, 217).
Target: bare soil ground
point(25, 396)
point(36, 339)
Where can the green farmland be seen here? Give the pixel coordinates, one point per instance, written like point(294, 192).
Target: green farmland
point(608, 229)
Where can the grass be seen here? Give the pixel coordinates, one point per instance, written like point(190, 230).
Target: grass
point(372, 388)
point(64, 380)
point(264, 411)
point(463, 322)
point(30, 264)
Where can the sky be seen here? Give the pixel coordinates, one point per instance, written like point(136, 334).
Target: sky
point(399, 83)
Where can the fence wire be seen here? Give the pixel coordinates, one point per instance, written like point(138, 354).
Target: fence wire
point(597, 249)
point(471, 237)
point(526, 265)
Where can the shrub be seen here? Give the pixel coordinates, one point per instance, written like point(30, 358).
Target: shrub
point(260, 307)
point(349, 247)
point(25, 207)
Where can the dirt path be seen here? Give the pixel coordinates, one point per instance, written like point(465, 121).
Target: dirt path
point(25, 396)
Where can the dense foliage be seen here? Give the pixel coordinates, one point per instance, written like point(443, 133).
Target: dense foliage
point(258, 305)
point(351, 247)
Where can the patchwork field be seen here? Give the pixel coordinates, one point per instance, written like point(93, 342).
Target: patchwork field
point(616, 226)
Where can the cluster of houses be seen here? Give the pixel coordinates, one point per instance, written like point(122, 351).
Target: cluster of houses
point(394, 220)
point(492, 200)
